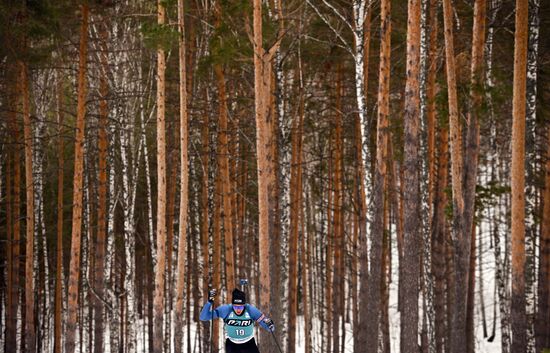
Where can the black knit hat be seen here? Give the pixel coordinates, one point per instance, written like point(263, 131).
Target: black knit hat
point(238, 297)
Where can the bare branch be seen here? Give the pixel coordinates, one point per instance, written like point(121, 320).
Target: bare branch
point(327, 22)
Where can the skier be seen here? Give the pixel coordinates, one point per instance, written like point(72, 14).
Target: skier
point(239, 318)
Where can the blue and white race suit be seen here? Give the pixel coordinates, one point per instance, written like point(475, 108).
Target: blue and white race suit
point(238, 328)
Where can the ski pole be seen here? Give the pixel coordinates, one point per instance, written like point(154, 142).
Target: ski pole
point(276, 342)
point(211, 324)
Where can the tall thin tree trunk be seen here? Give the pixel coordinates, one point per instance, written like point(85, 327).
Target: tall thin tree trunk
point(216, 252)
point(339, 242)
point(103, 146)
point(15, 244)
point(411, 197)
point(386, 276)
point(470, 334)
point(223, 169)
point(542, 326)
point(74, 270)
point(184, 177)
point(59, 241)
point(519, 317)
point(361, 273)
point(438, 240)
point(295, 213)
point(30, 336)
point(370, 324)
point(461, 237)
point(204, 160)
point(10, 321)
point(264, 146)
point(161, 193)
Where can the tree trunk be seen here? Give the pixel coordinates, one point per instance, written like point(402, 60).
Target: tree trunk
point(460, 237)
point(30, 336)
point(216, 252)
point(74, 271)
point(223, 169)
point(184, 177)
point(470, 334)
point(103, 146)
point(11, 321)
point(519, 319)
point(362, 142)
point(161, 193)
point(542, 326)
point(266, 178)
point(337, 309)
point(204, 209)
point(371, 326)
point(411, 197)
point(295, 213)
point(438, 241)
point(59, 241)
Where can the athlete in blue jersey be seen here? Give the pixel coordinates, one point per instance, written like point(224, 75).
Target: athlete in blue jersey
point(239, 318)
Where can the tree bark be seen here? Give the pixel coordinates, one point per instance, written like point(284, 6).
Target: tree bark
point(204, 208)
point(30, 336)
point(295, 213)
point(439, 240)
point(337, 309)
point(370, 323)
point(519, 317)
point(542, 327)
point(460, 238)
point(223, 169)
point(59, 241)
point(103, 146)
point(158, 302)
point(264, 146)
point(74, 271)
point(411, 197)
point(184, 180)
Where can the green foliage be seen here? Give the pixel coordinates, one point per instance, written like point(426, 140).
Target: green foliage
point(487, 195)
point(31, 24)
point(159, 36)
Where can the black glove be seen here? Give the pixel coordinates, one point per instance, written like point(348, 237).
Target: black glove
point(212, 295)
point(269, 324)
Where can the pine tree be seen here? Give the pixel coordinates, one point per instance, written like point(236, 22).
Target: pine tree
point(74, 271)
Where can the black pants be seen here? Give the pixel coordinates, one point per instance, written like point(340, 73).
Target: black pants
point(248, 347)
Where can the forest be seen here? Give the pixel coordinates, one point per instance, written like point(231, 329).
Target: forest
point(374, 174)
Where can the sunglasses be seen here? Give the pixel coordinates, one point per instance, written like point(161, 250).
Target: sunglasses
point(238, 307)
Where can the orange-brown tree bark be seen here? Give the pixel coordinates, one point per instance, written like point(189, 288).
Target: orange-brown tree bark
point(295, 219)
point(338, 229)
point(370, 324)
point(184, 182)
point(74, 269)
point(518, 312)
